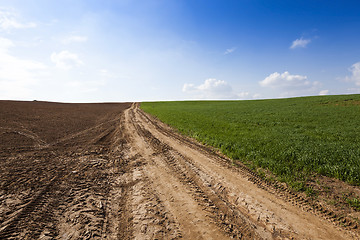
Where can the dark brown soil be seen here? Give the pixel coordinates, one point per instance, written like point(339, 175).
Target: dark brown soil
point(55, 162)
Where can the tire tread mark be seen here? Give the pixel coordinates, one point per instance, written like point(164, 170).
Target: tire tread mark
point(275, 187)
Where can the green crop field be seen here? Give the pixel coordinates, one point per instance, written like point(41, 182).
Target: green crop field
point(293, 138)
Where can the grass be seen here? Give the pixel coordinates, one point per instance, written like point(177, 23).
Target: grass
point(354, 203)
point(293, 138)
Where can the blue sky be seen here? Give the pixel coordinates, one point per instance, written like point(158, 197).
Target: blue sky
point(99, 51)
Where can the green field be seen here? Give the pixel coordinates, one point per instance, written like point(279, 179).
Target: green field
point(293, 138)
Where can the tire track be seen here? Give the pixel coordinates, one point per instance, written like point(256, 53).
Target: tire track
point(13, 227)
point(193, 220)
point(226, 216)
point(273, 187)
point(70, 189)
point(232, 184)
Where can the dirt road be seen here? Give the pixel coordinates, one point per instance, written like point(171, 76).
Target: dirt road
point(128, 176)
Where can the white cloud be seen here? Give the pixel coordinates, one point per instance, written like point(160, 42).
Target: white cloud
point(8, 20)
point(284, 80)
point(17, 75)
point(213, 89)
point(230, 50)
point(74, 39)
point(324, 92)
point(355, 74)
point(290, 85)
point(66, 60)
point(300, 43)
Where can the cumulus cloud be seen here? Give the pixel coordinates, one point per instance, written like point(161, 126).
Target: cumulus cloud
point(9, 20)
point(17, 75)
point(213, 89)
point(300, 43)
point(291, 85)
point(324, 92)
point(285, 80)
point(229, 50)
point(74, 39)
point(66, 60)
point(355, 74)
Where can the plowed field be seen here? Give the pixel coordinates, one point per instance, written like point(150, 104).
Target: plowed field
point(110, 171)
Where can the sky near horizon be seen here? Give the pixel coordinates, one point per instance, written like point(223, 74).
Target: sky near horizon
point(151, 50)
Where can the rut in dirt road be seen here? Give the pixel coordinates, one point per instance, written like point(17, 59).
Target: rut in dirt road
point(219, 200)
